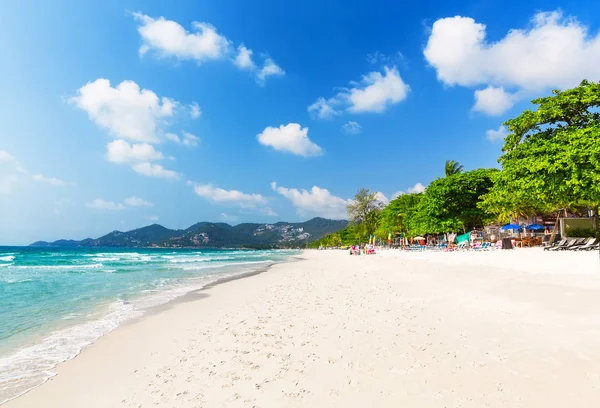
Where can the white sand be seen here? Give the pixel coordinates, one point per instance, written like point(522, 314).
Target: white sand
point(504, 329)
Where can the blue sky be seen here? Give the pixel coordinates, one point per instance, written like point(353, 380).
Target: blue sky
point(118, 114)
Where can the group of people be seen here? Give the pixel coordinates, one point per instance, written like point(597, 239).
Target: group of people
point(366, 249)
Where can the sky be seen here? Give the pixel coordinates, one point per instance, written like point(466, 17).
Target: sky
point(120, 114)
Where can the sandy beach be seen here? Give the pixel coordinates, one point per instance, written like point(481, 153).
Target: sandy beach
point(493, 329)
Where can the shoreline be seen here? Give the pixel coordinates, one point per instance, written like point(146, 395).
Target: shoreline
point(342, 330)
point(140, 314)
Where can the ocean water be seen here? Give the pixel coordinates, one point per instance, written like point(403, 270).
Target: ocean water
point(54, 302)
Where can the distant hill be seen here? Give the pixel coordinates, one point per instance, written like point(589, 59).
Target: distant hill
point(212, 235)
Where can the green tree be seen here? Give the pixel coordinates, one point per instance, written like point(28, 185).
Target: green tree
point(450, 204)
point(551, 157)
point(364, 211)
point(399, 214)
point(452, 167)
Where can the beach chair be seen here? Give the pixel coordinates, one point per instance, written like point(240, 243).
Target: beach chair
point(590, 244)
point(561, 243)
point(574, 243)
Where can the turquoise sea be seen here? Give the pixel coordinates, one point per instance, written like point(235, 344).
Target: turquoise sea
point(54, 302)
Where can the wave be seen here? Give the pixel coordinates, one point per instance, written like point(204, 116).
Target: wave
point(7, 258)
point(199, 267)
point(13, 281)
point(67, 267)
point(31, 366)
point(193, 259)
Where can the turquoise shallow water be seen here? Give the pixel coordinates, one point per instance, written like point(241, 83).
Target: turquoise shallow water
point(54, 302)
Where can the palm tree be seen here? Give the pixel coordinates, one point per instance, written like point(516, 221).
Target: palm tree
point(452, 167)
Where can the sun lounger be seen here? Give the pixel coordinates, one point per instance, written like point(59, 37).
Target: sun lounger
point(563, 242)
point(588, 246)
point(575, 243)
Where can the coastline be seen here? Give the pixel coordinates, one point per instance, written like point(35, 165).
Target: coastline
point(142, 307)
point(420, 329)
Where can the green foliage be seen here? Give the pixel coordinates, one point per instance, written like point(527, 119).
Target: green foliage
point(364, 212)
point(581, 232)
point(452, 167)
point(450, 203)
point(551, 157)
point(398, 215)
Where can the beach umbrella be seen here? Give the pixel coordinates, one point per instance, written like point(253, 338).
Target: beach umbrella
point(510, 227)
point(419, 238)
point(535, 227)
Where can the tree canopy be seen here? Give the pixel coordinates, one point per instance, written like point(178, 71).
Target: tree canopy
point(450, 204)
point(551, 157)
point(364, 210)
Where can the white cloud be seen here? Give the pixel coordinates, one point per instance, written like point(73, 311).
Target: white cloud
point(195, 110)
point(382, 198)
point(375, 92)
point(417, 188)
point(126, 111)
point(188, 139)
point(99, 204)
point(10, 171)
point(244, 58)
point(378, 91)
point(220, 195)
point(270, 68)
point(324, 108)
point(134, 201)
point(119, 151)
point(168, 38)
point(352, 128)
point(552, 52)
point(492, 101)
point(153, 218)
point(499, 134)
point(289, 138)
point(40, 178)
point(155, 170)
point(317, 201)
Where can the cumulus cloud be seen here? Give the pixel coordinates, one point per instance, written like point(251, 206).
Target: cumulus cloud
point(270, 68)
point(382, 198)
point(352, 128)
point(499, 134)
point(324, 108)
point(99, 204)
point(493, 101)
point(52, 181)
point(552, 52)
point(316, 201)
point(134, 201)
point(378, 91)
point(375, 92)
point(195, 110)
point(290, 138)
point(126, 111)
point(119, 151)
point(220, 195)
point(167, 38)
point(417, 188)
point(155, 170)
point(243, 58)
